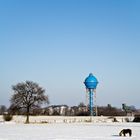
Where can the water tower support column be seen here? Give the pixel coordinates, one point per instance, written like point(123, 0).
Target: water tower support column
point(91, 101)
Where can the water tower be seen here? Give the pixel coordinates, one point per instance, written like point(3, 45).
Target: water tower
point(91, 84)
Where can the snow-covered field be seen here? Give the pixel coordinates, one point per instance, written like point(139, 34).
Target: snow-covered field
point(67, 131)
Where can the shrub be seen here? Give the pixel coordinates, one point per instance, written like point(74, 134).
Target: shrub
point(7, 117)
point(127, 120)
point(115, 120)
point(136, 119)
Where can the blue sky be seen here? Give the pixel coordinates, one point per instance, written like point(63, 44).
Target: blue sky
point(57, 43)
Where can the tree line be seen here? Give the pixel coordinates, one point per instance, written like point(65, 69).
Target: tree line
point(28, 97)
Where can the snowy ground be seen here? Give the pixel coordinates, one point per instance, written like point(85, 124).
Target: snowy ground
point(67, 131)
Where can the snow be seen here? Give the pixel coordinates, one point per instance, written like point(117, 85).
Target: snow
point(67, 131)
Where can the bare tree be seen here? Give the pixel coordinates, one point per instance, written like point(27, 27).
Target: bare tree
point(28, 95)
point(81, 104)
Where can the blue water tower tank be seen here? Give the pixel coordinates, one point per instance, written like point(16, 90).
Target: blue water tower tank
point(91, 82)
